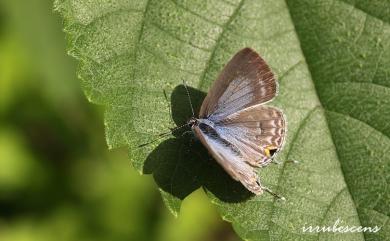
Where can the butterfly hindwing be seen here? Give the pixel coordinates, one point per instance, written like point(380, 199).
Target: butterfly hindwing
point(245, 81)
point(258, 132)
point(228, 157)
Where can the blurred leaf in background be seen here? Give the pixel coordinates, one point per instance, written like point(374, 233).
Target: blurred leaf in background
point(57, 179)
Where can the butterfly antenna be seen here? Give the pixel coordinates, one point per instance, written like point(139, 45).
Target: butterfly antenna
point(189, 98)
point(274, 161)
point(162, 135)
point(293, 161)
point(158, 137)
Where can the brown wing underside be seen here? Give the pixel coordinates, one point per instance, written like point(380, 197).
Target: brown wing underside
point(245, 81)
point(233, 164)
point(255, 129)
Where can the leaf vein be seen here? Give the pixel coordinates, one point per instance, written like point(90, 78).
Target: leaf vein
point(217, 42)
point(302, 124)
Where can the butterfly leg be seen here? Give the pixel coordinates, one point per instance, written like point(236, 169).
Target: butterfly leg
point(192, 137)
point(187, 133)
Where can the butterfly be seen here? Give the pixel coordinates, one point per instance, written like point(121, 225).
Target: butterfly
point(238, 130)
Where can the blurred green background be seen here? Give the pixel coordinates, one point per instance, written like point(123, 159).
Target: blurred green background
point(58, 181)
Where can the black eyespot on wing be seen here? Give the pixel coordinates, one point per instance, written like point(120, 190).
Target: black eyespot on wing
point(273, 151)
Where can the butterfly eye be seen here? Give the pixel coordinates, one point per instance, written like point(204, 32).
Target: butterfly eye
point(270, 151)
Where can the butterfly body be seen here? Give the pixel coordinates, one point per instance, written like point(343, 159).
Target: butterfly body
point(238, 130)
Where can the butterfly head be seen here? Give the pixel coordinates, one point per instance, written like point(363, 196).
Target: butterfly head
point(193, 121)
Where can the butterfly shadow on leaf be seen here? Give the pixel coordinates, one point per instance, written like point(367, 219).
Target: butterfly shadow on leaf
point(180, 165)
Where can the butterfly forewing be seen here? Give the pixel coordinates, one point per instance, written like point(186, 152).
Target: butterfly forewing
point(245, 81)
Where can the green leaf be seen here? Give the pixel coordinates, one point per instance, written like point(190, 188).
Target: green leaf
point(332, 60)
